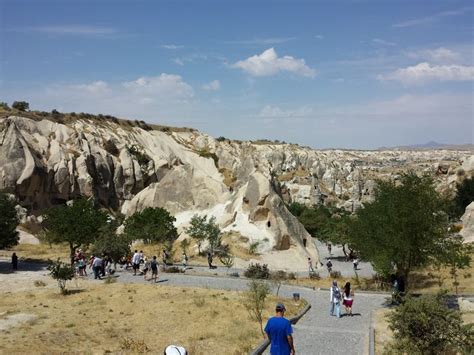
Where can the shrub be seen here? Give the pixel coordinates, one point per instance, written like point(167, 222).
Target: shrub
point(234, 274)
point(21, 105)
point(253, 248)
point(39, 283)
point(257, 271)
point(4, 105)
point(314, 276)
point(141, 157)
point(426, 325)
point(254, 300)
point(335, 274)
point(221, 139)
point(61, 272)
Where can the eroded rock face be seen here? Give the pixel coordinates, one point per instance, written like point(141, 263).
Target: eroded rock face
point(245, 185)
point(467, 219)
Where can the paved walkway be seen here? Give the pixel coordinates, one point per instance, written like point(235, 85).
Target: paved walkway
point(317, 332)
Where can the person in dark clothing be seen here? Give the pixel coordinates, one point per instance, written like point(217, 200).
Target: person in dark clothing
point(209, 260)
point(329, 266)
point(14, 262)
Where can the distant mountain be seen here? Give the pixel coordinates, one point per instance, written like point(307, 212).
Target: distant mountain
point(431, 145)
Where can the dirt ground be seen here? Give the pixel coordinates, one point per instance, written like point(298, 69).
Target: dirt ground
point(123, 318)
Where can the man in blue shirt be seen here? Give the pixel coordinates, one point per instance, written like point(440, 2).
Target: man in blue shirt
point(279, 330)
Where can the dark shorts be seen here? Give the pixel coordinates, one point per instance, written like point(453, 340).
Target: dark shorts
point(154, 271)
point(136, 266)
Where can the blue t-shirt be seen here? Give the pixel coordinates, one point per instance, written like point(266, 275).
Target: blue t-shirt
point(278, 329)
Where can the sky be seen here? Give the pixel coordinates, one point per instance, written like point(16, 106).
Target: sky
point(326, 74)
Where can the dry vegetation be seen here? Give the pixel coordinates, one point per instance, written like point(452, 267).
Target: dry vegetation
point(101, 318)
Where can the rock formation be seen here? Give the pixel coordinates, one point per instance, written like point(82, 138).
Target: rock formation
point(128, 167)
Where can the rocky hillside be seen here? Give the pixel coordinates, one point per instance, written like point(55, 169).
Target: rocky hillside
point(128, 167)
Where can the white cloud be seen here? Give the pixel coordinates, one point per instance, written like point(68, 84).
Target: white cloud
point(214, 85)
point(165, 85)
point(172, 46)
point(383, 42)
point(424, 72)
point(82, 30)
point(274, 112)
point(319, 37)
point(438, 55)
point(96, 87)
point(433, 18)
point(269, 63)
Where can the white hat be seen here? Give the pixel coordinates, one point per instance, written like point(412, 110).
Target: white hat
point(175, 350)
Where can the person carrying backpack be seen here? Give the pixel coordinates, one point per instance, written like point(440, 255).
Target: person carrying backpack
point(335, 299)
point(329, 266)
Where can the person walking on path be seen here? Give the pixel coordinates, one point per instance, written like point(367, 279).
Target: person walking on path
point(329, 266)
point(335, 299)
point(154, 269)
point(355, 262)
point(164, 258)
point(279, 331)
point(185, 262)
point(97, 268)
point(310, 266)
point(146, 267)
point(348, 298)
point(14, 262)
point(136, 262)
point(209, 260)
point(329, 248)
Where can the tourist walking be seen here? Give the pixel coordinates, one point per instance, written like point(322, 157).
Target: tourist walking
point(136, 262)
point(97, 268)
point(335, 299)
point(14, 262)
point(329, 266)
point(146, 267)
point(209, 260)
point(279, 331)
point(154, 269)
point(348, 298)
point(310, 266)
point(185, 262)
point(329, 248)
point(355, 262)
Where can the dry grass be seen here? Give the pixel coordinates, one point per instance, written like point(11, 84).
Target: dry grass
point(383, 335)
point(102, 318)
point(40, 252)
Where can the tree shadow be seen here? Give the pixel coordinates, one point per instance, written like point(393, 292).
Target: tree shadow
point(6, 266)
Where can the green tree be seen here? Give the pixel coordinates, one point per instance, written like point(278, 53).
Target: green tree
point(62, 273)
point(403, 227)
point(152, 225)
point(8, 222)
point(109, 242)
point(78, 224)
point(454, 254)
point(202, 229)
point(21, 105)
point(425, 325)
point(254, 300)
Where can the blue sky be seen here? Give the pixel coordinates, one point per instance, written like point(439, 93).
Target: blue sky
point(349, 74)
